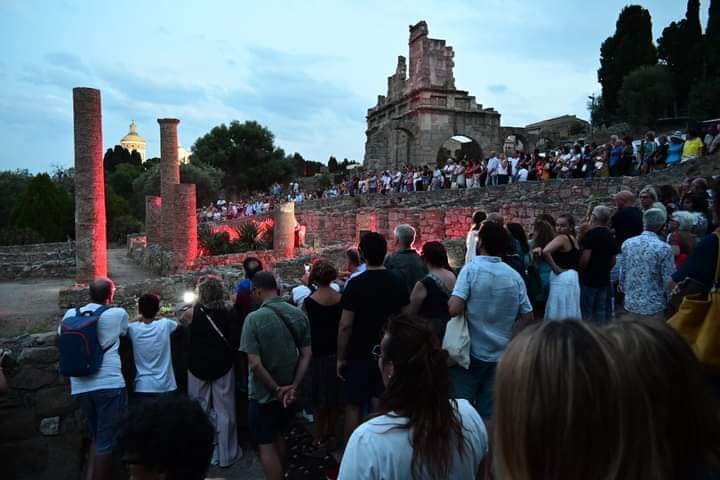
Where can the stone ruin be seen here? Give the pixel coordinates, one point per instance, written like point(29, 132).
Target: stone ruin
point(423, 109)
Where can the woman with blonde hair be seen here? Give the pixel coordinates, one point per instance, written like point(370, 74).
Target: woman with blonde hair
point(563, 410)
point(214, 339)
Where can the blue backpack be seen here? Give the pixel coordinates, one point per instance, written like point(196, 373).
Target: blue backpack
point(80, 351)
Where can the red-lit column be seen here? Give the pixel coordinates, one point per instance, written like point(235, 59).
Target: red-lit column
point(169, 176)
point(284, 229)
point(185, 243)
point(153, 217)
point(90, 228)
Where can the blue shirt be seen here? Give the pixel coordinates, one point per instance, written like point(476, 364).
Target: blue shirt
point(674, 153)
point(494, 296)
point(647, 265)
point(615, 155)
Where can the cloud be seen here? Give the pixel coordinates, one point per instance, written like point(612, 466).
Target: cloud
point(498, 89)
point(67, 61)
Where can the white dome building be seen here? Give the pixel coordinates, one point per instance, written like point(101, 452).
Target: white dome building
point(133, 141)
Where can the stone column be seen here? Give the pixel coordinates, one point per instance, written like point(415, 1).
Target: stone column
point(153, 216)
point(90, 228)
point(169, 175)
point(184, 235)
point(284, 229)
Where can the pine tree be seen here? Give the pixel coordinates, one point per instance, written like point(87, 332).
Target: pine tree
point(712, 40)
point(630, 47)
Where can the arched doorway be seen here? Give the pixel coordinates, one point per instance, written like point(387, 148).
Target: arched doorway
point(459, 148)
point(515, 143)
point(402, 148)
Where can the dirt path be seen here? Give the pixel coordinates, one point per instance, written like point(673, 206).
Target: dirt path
point(30, 305)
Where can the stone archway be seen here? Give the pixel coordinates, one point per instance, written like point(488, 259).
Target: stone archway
point(459, 147)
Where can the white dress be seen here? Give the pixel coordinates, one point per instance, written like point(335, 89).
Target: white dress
point(563, 301)
point(471, 245)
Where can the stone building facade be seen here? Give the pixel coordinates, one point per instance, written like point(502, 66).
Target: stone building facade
point(423, 109)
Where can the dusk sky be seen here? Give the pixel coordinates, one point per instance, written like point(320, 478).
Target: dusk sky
point(308, 70)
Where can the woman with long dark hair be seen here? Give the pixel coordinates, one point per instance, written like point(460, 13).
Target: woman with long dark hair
point(471, 239)
point(429, 298)
point(563, 256)
point(419, 433)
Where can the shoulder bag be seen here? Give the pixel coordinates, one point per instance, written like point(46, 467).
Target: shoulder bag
point(698, 321)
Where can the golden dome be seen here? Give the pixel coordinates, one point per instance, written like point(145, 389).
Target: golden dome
point(132, 136)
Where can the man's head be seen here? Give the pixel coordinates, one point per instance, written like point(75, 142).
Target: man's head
point(167, 439)
point(496, 218)
point(493, 240)
point(699, 185)
point(373, 248)
point(600, 215)
point(252, 265)
point(654, 219)
point(353, 259)
point(404, 236)
point(624, 199)
point(102, 291)
point(648, 196)
point(265, 286)
point(149, 305)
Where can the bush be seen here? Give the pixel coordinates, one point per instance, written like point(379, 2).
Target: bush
point(250, 237)
point(119, 228)
point(19, 236)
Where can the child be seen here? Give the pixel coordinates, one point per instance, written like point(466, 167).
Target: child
point(150, 339)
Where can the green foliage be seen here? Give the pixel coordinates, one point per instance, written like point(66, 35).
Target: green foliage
point(45, 208)
point(12, 185)
point(120, 227)
point(577, 128)
point(246, 153)
point(630, 47)
point(645, 95)
point(705, 99)
point(122, 177)
point(298, 163)
point(118, 155)
point(19, 236)
point(248, 237)
point(680, 48)
point(207, 180)
point(711, 42)
point(325, 181)
point(333, 165)
point(596, 107)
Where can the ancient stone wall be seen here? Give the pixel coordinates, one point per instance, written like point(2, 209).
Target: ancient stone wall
point(42, 260)
point(153, 219)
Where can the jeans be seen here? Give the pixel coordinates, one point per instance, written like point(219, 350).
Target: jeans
point(476, 385)
point(594, 304)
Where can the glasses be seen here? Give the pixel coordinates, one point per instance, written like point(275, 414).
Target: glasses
point(376, 352)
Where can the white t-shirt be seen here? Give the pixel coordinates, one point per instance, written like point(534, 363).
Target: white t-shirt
point(301, 292)
point(153, 359)
point(513, 164)
point(377, 449)
point(113, 324)
point(522, 175)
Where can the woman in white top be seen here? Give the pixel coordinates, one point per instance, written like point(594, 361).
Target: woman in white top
point(416, 435)
point(472, 236)
point(150, 338)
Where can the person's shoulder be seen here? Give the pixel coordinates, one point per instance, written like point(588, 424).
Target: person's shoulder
point(114, 312)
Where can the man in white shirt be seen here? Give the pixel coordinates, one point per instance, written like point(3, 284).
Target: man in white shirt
point(492, 170)
point(522, 173)
point(514, 160)
point(102, 395)
point(150, 337)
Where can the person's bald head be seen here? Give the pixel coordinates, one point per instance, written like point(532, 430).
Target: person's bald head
point(624, 199)
point(102, 290)
point(699, 185)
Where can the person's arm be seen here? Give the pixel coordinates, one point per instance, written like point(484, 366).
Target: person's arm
point(585, 259)
point(3, 380)
point(255, 364)
point(456, 306)
point(667, 269)
point(344, 332)
point(556, 244)
point(303, 363)
point(417, 297)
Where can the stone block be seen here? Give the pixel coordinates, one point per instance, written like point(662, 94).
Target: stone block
point(50, 426)
point(54, 400)
point(41, 355)
point(17, 424)
point(32, 378)
point(46, 339)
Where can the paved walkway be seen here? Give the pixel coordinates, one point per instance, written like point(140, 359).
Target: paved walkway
point(30, 305)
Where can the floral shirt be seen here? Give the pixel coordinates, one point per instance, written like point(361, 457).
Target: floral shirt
point(647, 264)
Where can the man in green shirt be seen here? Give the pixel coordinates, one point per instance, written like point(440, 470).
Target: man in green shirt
point(276, 338)
point(405, 262)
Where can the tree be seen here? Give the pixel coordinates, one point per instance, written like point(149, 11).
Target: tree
point(45, 208)
point(12, 185)
point(207, 180)
point(246, 153)
point(645, 94)
point(118, 155)
point(630, 47)
point(705, 99)
point(298, 164)
point(680, 48)
point(712, 40)
point(332, 165)
point(596, 107)
point(122, 177)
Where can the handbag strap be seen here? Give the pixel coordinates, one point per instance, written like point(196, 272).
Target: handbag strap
point(287, 325)
point(215, 327)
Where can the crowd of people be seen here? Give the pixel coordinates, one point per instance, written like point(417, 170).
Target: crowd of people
point(567, 315)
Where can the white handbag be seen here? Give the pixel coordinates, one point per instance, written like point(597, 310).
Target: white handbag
point(457, 341)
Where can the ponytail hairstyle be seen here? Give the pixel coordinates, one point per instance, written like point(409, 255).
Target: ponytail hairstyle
point(435, 255)
point(420, 390)
point(478, 218)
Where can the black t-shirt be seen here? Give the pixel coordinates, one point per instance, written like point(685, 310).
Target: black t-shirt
point(602, 244)
point(627, 222)
point(324, 321)
point(211, 357)
point(372, 296)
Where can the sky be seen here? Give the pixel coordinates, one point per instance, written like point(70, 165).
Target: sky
point(308, 70)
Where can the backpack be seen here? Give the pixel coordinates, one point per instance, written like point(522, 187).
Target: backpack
point(80, 351)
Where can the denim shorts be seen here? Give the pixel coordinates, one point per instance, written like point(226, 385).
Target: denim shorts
point(105, 411)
